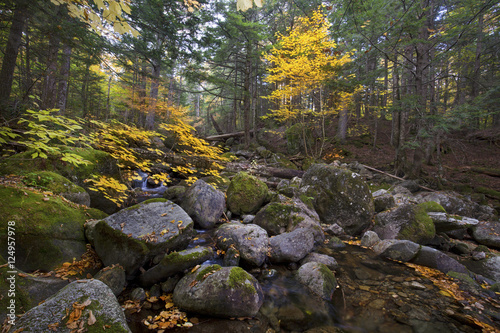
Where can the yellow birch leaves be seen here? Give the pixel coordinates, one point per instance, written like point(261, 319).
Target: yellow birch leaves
point(301, 62)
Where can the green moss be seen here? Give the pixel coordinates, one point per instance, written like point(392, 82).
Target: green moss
point(482, 248)
point(51, 181)
point(296, 219)
point(207, 270)
point(22, 298)
point(238, 278)
point(329, 277)
point(101, 320)
point(421, 227)
point(137, 206)
point(431, 206)
point(177, 257)
point(246, 194)
point(462, 277)
point(22, 163)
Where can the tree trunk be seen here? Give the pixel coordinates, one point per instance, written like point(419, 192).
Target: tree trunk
point(50, 79)
point(10, 55)
point(247, 94)
point(62, 96)
point(342, 127)
point(153, 95)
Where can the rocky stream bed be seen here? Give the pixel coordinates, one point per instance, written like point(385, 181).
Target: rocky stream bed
point(302, 257)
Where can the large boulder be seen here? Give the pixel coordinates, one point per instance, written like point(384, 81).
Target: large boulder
point(176, 262)
point(457, 204)
point(135, 235)
point(250, 240)
point(219, 291)
point(287, 215)
point(407, 222)
point(383, 200)
point(400, 250)
point(291, 246)
point(246, 194)
point(488, 267)
point(204, 204)
point(329, 261)
point(318, 278)
point(48, 229)
point(25, 290)
point(96, 301)
point(446, 222)
point(487, 233)
point(436, 259)
point(339, 196)
point(114, 277)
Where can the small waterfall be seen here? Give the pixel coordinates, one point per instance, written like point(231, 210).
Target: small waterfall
point(140, 183)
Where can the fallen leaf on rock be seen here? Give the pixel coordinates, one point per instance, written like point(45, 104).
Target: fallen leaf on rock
point(91, 321)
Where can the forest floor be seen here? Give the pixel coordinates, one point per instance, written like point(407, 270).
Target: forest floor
point(471, 159)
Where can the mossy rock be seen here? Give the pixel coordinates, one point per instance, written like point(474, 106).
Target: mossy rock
point(410, 222)
point(219, 291)
point(48, 230)
point(12, 290)
point(246, 194)
point(103, 304)
point(101, 163)
point(57, 184)
point(338, 196)
point(281, 161)
point(276, 217)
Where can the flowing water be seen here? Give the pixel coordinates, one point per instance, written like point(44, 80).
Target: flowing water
point(374, 295)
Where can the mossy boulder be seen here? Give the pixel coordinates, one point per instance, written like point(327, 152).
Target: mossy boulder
point(174, 263)
point(338, 196)
point(318, 278)
point(102, 163)
point(48, 229)
point(407, 221)
point(286, 215)
point(281, 161)
point(58, 184)
point(219, 291)
point(101, 302)
point(246, 194)
point(137, 234)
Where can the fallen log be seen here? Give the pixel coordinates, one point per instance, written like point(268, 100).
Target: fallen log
point(395, 177)
point(226, 136)
point(265, 171)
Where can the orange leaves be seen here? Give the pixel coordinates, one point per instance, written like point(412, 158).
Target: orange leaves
point(76, 323)
point(168, 318)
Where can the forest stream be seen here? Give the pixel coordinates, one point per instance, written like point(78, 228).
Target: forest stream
point(374, 295)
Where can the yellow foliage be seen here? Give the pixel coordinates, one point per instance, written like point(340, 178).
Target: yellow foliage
point(301, 62)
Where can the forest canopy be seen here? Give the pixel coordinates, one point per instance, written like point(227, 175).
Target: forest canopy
point(327, 70)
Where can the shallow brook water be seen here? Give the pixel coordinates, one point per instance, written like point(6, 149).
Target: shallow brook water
point(374, 295)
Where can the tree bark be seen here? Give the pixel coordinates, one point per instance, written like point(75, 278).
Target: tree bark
point(50, 79)
point(153, 95)
point(64, 79)
point(10, 55)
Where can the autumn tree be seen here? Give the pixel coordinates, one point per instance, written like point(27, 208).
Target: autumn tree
point(300, 64)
